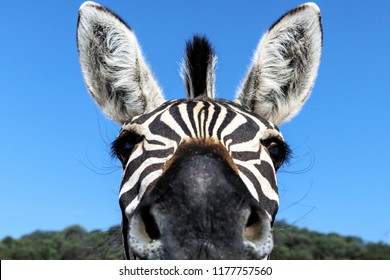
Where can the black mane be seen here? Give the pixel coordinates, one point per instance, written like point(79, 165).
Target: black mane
point(199, 64)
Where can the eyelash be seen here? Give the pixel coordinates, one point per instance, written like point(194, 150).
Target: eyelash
point(278, 150)
point(124, 145)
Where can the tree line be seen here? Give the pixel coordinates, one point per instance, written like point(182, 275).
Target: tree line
point(291, 242)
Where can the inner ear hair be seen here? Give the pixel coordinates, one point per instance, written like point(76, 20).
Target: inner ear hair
point(284, 66)
point(113, 65)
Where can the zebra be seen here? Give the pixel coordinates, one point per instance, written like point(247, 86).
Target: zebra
point(199, 174)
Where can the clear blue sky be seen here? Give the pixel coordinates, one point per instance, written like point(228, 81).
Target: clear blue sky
point(55, 167)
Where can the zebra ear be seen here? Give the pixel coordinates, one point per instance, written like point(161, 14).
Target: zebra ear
point(113, 66)
point(285, 66)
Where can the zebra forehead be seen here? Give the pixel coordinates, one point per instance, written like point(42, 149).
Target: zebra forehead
point(202, 118)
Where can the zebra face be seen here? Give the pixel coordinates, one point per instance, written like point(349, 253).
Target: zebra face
point(199, 178)
point(202, 167)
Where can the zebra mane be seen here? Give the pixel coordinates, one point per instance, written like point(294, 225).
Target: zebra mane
point(198, 68)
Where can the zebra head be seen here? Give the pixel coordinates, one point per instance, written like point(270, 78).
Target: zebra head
point(199, 173)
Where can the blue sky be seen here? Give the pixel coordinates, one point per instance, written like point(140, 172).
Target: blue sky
point(55, 167)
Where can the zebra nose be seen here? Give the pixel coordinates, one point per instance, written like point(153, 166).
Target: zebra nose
point(213, 216)
point(151, 234)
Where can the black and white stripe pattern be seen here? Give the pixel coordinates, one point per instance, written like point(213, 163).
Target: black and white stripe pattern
point(221, 121)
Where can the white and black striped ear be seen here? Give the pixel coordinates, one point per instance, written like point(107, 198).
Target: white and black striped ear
point(285, 66)
point(113, 66)
point(198, 68)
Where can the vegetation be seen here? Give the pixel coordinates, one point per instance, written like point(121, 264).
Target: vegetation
point(302, 244)
point(73, 243)
point(76, 243)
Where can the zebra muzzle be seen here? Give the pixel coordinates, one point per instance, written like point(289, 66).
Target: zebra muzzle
point(208, 217)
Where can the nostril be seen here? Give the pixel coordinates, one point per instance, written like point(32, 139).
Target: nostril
point(150, 223)
point(252, 219)
point(253, 230)
point(144, 234)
